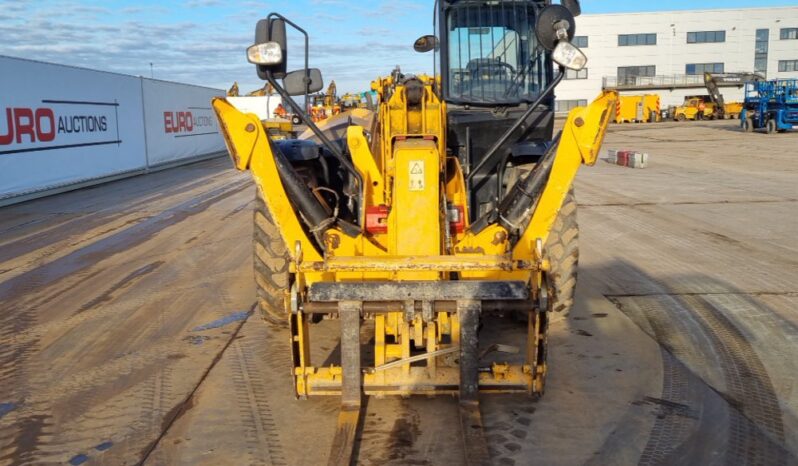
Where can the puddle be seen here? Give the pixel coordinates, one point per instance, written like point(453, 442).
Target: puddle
point(104, 446)
point(234, 317)
point(6, 408)
point(78, 459)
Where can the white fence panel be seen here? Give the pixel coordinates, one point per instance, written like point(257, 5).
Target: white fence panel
point(61, 125)
point(180, 123)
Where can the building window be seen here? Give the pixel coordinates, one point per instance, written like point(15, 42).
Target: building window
point(788, 65)
point(636, 39)
point(761, 50)
point(627, 75)
point(568, 105)
point(580, 41)
point(788, 33)
point(701, 68)
point(574, 74)
point(702, 37)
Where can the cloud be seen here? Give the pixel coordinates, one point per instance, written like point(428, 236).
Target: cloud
point(195, 46)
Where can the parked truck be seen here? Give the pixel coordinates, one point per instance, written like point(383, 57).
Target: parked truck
point(694, 108)
point(772, 105)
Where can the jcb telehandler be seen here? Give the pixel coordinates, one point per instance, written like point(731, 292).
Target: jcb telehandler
point(453, 207)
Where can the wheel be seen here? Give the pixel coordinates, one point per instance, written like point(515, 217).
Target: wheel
point(562, 252)
point(271, 265)
point(748, 125)
point(296, 120)
point(771, 126)
point(681, 117)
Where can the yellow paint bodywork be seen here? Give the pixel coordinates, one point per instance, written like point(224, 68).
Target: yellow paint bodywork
point(689, 111)
point(405, 167)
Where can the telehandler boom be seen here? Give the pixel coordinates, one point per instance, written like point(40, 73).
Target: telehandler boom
point(452, 206)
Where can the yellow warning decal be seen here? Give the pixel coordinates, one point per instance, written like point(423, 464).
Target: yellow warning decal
point(416, 168)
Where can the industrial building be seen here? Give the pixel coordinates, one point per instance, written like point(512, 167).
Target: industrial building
point(668, 52)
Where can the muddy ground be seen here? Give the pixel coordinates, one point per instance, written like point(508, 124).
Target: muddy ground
point(126, 335)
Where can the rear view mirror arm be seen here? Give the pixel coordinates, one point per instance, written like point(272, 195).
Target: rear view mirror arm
point(307, 49)
point(507, 134)
point(334, 149)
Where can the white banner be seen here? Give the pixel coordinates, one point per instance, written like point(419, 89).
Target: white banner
point(61, 125)
point(262, 106)
point(179, 121)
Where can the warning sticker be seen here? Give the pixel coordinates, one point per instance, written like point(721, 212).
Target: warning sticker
point(416, 175)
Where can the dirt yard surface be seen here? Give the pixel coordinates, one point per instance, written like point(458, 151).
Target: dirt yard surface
point(126, 333)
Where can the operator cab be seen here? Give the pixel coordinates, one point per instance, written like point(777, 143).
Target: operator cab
point(491, 54)
point(495, 63)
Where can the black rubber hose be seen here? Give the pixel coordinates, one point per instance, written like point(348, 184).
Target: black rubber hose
point(515, 210)
point(311, 210)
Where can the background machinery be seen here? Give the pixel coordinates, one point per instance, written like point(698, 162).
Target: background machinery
point(268, 108)
point(721, 108)
point(772, 105)
point(424, 225)
point(694, 108)
point(712, 105)
point(324, 105)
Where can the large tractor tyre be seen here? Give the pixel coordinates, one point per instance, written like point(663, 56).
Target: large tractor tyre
point(296, 120)
point(681, 117)
point(271, 265)
point(562, 252)
point(748, 125)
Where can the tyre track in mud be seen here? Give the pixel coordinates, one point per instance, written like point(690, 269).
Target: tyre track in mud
point(747, 404)
point(83, 228)
point(186, 404)
point(91, 401)
point(247, 392)
point(51, 272)
point(263, 443)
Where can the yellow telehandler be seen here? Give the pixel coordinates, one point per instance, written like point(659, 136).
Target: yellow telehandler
point(450, 206)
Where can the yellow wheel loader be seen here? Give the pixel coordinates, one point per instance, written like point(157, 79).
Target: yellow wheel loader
point(448, 209)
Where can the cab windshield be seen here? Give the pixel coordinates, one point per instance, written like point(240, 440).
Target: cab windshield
point(493, 55)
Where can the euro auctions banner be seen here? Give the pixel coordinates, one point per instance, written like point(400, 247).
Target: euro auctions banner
point(61, 125)
point(180, 122)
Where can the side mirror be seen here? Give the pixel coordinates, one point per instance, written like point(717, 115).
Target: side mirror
point(554, 23)
point(573, 6)
point(425, 43)
point(555, 27)
point(269, 36)
point(296, 83)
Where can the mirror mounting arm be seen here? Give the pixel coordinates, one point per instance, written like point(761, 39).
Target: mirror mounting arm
point(307, 49)
point(335, 150)
point(507, 134)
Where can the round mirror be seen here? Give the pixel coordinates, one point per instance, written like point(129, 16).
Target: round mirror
point(573, 6)
point(545, 25)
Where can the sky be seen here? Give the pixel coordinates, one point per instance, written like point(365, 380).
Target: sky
point(204, 41)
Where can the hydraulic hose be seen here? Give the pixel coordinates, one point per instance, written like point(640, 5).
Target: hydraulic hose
point(516, 209)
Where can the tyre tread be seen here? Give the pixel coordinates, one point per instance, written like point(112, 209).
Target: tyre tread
point(562, 251)
point(270, 265)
